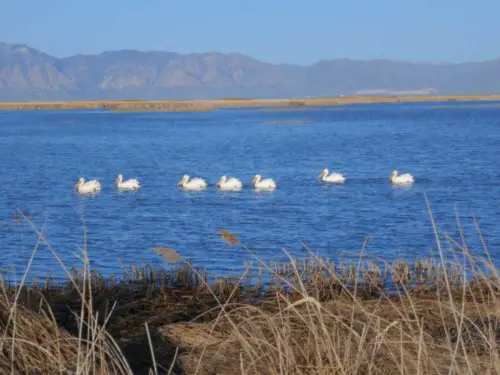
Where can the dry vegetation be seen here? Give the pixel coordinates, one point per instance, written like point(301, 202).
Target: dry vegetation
point(307, 316)
point(210, 105)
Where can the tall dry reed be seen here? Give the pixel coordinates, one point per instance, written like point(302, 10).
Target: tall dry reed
point(451, 328)
point(314, 316)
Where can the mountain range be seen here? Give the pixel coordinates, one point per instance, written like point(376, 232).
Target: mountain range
point(29, 74)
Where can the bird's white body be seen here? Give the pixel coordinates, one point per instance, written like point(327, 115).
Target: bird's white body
point(229, 184)
point(195, 184)
point(132, 184)
point(332, 178)
point(265, 184)
point(91, 186)
point(401, 179)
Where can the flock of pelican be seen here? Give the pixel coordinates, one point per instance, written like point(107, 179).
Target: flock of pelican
point(234, 184)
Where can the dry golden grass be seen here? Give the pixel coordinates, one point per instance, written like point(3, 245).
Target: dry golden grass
point(346, 336)
point(30, 341)
point(453, 328)
point(210, 105)
point(312, 316)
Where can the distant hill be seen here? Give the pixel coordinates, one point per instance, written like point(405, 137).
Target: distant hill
point(28, 74)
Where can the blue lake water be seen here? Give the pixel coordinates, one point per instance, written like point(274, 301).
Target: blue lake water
point(453, 153)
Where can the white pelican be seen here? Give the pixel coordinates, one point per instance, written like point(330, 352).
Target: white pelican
point(333, 178)
point(132, 184)
point(91, 186)
point(195, 184)
point(229, 184)
point(265, 184)
point(401, 179)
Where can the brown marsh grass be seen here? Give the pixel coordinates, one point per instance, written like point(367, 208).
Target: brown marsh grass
point(309, 315)
point(210, 105)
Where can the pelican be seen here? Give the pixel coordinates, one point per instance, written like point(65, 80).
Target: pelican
point(401, 179)
point(333, 178)
point(265, 184)
point(229, 184)
point(132, 184)
point(195, 184)
point(91, 186)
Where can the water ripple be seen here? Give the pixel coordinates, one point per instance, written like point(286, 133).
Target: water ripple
point(453, 157)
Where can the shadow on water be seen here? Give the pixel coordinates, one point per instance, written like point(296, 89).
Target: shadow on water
point(261, 194)
point(230, 194)
point(88, 196)
point(192, 193)
point(403, 186)
point(124, 192)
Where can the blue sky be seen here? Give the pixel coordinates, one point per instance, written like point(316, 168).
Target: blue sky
point(276, 31)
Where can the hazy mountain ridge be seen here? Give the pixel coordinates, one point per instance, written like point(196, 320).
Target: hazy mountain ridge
point(28, 74)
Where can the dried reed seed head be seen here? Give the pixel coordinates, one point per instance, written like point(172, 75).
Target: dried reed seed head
point(169, 255)
point(228, 237)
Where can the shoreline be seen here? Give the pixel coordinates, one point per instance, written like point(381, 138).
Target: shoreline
point(211, 105)
point(306, 315)
point(176, 319)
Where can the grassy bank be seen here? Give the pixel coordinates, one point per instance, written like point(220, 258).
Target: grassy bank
point(309, 320)
point(210, 105)
point(315, 316)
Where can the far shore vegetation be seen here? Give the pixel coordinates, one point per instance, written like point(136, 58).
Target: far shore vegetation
point(309, 315)
point(211, 105)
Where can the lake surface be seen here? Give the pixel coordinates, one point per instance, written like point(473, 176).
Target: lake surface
point(453, 153)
